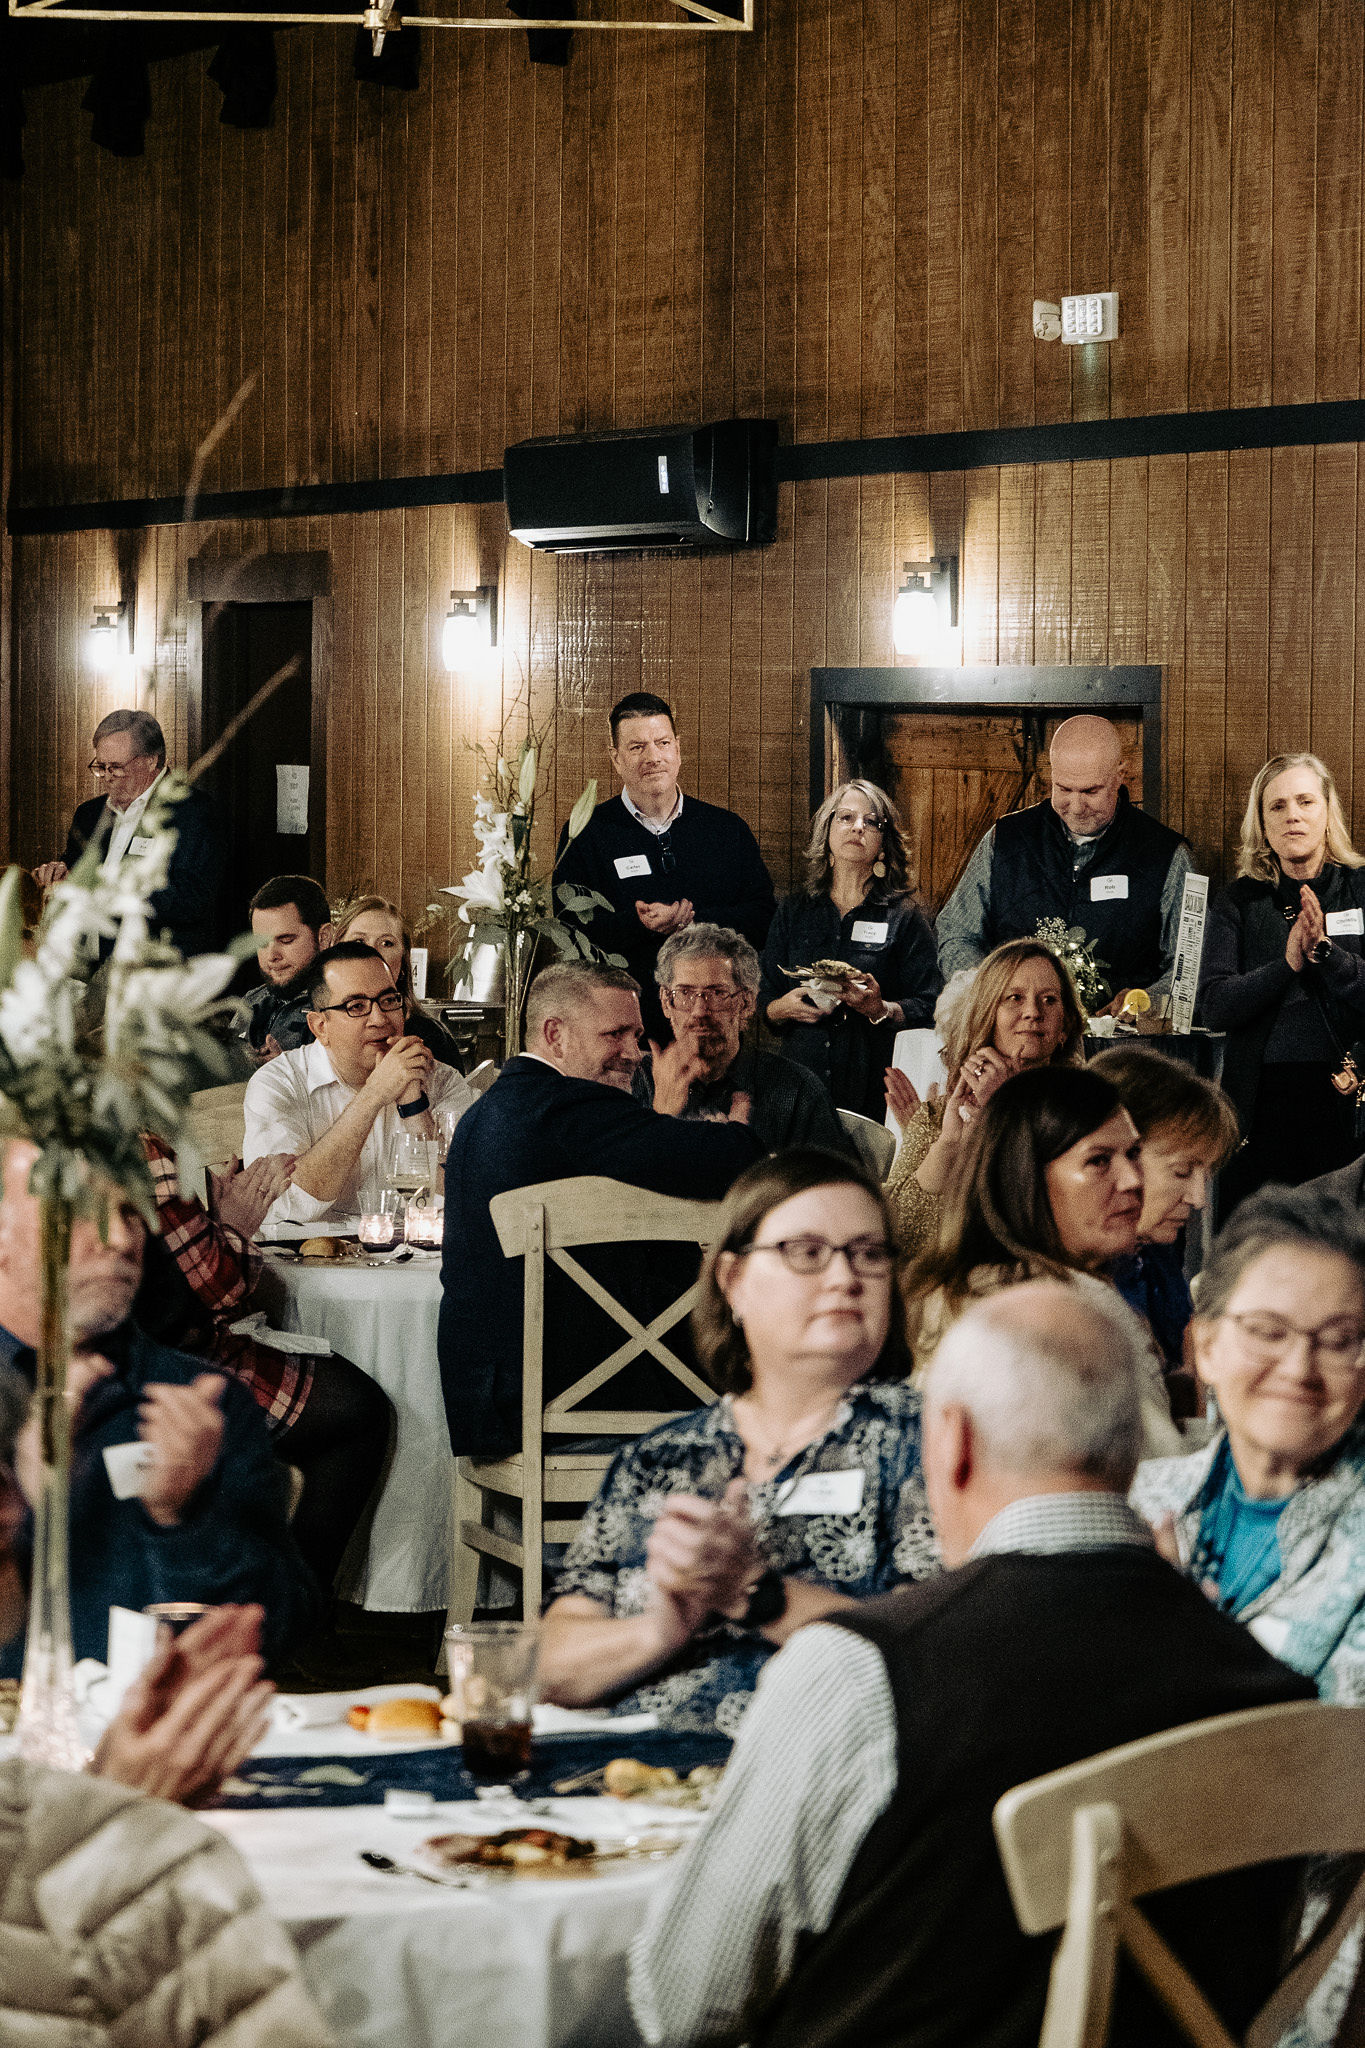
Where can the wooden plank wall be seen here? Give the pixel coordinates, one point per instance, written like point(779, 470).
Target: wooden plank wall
point(841, 222)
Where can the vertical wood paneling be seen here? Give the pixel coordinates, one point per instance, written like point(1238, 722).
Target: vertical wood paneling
point(841, 222)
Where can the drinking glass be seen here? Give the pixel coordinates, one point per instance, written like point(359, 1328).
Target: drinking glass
point(409, 1163)
point(492, 1667)
point(177, 1615)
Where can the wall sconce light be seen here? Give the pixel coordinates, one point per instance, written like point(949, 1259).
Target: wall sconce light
point(471, 626)
point(107, 637)
point(926, 605)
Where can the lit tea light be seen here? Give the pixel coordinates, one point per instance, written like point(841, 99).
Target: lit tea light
point(425, 1224)
point(377, 1233)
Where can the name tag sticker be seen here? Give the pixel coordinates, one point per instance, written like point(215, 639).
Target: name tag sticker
point(824, 1493)
point(125, 1464)
point(632, 864)
point(1108, 888)
point(142, 842)
point(867, 932)
point(1345, 924)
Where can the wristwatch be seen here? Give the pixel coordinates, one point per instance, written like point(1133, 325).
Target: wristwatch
point(417, 1107)
point(767, 1601)
point(1321, 953)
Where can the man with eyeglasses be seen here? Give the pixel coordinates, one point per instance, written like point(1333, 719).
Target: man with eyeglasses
point(129, 763)
point(661, 860)
point(708, 983)
point(340, 1102)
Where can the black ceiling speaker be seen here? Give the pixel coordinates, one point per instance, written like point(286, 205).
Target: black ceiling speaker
point(644, 488)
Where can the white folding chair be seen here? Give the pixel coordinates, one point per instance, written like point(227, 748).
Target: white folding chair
point(551, 1221)
point(1082, 1845)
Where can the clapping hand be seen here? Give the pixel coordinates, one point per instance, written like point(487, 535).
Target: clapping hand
point(1308, 930)
point(195, 1713)
point(664, 918)
point(700, 1557)
point(183, 1427)
point(862, 992)
point(242, 1197)
point(902, 1097)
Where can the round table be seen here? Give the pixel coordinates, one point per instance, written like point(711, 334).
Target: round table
point(384, 1319)
point(396, 1963)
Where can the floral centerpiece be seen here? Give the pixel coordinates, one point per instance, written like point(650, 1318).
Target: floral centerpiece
point(507, 900)
point(84, 1070)
point(1078, 955)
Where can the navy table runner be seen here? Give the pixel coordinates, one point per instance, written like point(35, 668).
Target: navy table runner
point(264, 1782)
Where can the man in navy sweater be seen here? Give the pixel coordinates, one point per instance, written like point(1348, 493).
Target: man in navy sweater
point(565, 1107)
point(662, 861)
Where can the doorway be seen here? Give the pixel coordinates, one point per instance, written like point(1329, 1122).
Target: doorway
point(257, 616)
point(958, 748)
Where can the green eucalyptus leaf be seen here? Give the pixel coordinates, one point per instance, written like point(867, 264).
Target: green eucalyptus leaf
point(11, 924)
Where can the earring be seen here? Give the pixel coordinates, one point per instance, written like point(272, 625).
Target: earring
point(737, 1319)
point(879, 870)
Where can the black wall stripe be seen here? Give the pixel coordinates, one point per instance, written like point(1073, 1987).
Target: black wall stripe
point(1185, 433)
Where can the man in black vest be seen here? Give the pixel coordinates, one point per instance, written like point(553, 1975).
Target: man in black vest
point(847, 1889)
point(1088, 856)
point(130, 761)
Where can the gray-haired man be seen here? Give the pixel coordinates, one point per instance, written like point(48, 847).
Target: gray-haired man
point(708, 980)
point(846, 1888)
point(130, 761)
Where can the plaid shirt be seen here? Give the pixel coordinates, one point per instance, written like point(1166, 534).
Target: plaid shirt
point(222, 1269)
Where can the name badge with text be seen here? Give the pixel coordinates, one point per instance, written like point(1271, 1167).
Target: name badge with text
point(867, 932)
point(824, 1493)
point(1108, 888)
point(1345, 924)
point(140, 843)
point(632, 864)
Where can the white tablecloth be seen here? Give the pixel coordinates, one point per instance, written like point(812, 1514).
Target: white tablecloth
point(395, 1963)
point(384, 1318)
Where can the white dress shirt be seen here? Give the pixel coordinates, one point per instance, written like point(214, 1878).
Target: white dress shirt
point(657, 826)
point(126, 822)
point(294, 1100)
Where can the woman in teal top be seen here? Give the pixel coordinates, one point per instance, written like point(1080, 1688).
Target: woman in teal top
point(1270, 1517)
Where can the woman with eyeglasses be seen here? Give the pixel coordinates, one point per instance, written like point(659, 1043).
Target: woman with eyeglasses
point(1270, 1517)
point(716, 1536)
point(857, 907)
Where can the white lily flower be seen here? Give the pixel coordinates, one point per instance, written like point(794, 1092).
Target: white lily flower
point(26, 1013)
point(481, 890)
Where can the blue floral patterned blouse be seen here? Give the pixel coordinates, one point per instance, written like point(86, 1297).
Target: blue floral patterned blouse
point(861, 1547)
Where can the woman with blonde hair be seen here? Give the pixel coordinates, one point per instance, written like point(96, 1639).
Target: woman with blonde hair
point(1022, 1011)
point(374, 921)
point(857, 907)
point(1284, 976)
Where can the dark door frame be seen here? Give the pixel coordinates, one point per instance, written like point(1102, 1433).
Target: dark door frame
point(1019, 687)
point(260, 578)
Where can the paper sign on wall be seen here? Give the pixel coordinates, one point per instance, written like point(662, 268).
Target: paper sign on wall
point(1189, 950)
point(291, 801)
point(419, 972)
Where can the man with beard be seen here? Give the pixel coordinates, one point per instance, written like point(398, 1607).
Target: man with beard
point(565, 1107)
point(708, 981)
point(291, 917)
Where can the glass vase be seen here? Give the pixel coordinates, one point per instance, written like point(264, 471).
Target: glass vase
point(47, 1730)
point(517, 959)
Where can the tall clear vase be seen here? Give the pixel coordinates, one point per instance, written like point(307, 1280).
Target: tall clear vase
point(47, 1729)
point(517, 955)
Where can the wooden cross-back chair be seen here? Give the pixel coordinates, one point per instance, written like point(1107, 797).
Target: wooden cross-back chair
point(1082, 1845)
point(550, 1222)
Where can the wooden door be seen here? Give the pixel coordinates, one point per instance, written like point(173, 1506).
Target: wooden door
point(953, 773)
point(244, 645)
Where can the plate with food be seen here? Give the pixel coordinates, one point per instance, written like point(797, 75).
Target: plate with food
point(540, 1852)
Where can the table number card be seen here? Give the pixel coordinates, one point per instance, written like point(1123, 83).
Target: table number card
point(1189, 950)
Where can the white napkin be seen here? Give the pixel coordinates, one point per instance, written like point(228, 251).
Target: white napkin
point(293, 1710)
point(254, 1326)
point(548, 1720)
